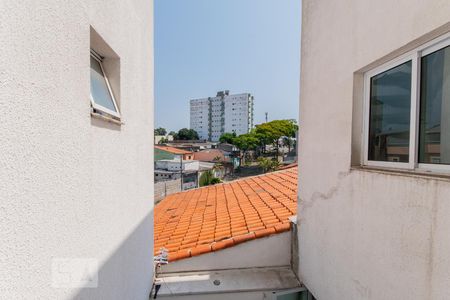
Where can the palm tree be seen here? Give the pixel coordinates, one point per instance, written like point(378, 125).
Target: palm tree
point(287, 141)
point(218, 165)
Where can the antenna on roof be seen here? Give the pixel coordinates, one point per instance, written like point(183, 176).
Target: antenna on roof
point(161, 259)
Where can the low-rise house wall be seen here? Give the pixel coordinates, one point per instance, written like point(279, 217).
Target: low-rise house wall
point(175, 165)
point(164, 188)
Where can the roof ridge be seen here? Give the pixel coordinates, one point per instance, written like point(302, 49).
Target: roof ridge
point(172, 150)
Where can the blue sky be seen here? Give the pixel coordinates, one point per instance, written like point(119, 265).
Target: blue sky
point(204, 46)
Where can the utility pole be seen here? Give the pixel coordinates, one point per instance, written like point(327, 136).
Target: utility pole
point(266, 116)
point(181, 171)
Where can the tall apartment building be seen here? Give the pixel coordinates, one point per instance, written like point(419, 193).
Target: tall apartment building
point(213, 116)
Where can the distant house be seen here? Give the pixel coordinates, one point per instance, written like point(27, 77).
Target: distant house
point(229, 161)
point(172, 164)
point(167, 152)
point(212, 155)
point(210, 166)
point(227, 147)
point(233, 152)
point(192, 145)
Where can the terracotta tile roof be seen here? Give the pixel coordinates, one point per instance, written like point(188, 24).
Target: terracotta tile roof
point(210, 155)
point(287, 166)
point(212, 218)
point(173, 150)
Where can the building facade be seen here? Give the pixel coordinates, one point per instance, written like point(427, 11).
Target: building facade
point(213, 116)
point(374, 99)
point(174, 165)
point(167, 152)
point(76, 212)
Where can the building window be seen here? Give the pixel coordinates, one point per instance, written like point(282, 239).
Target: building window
point(434, 136)
point(390, 109)
point(102, 98)
point(407, 110)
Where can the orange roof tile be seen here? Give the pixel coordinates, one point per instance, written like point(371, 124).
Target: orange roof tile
point(208, 219)
point(210, 154)
point(172, 150)
point(287, 166)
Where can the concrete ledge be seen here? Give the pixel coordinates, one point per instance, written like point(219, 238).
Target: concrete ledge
point(430, 175)
point(106, 118)
point(227, 281)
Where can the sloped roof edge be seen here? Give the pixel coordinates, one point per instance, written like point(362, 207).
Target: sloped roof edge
point(216, 217)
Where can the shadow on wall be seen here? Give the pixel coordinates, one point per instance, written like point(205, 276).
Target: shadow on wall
point(127, 274)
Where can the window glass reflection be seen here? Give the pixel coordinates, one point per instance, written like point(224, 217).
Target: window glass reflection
point(390, 107)
point(434, 138)
point(99, 88)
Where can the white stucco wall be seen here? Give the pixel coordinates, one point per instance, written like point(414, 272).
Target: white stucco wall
point(73, 186)
point(364, 234)
point(174, 165)
point(274, 250)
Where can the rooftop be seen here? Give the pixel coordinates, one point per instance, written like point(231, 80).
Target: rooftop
point(242, 280)
point(288, 166)
point(160, 171)
point(193, 142)
point(208, 219)
point(172, 150)
point(210, 155)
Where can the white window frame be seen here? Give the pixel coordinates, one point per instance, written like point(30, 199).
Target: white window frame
point(415, 57)
point(99, 107)
point(274, 295)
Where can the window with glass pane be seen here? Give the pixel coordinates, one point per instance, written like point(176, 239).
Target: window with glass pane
point(434, 138)
point(100, 92)
point(390, 109)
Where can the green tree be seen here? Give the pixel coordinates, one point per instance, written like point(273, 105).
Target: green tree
point(186, 134)
point(246, 142)
point(215, 180)
point(163, 141)
point(271, 132)
point(227, 137)
point(207, 178)
point(218, 164)
point(160, 131)
point(288, 142)
point(172, 133)
point(268, 164)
